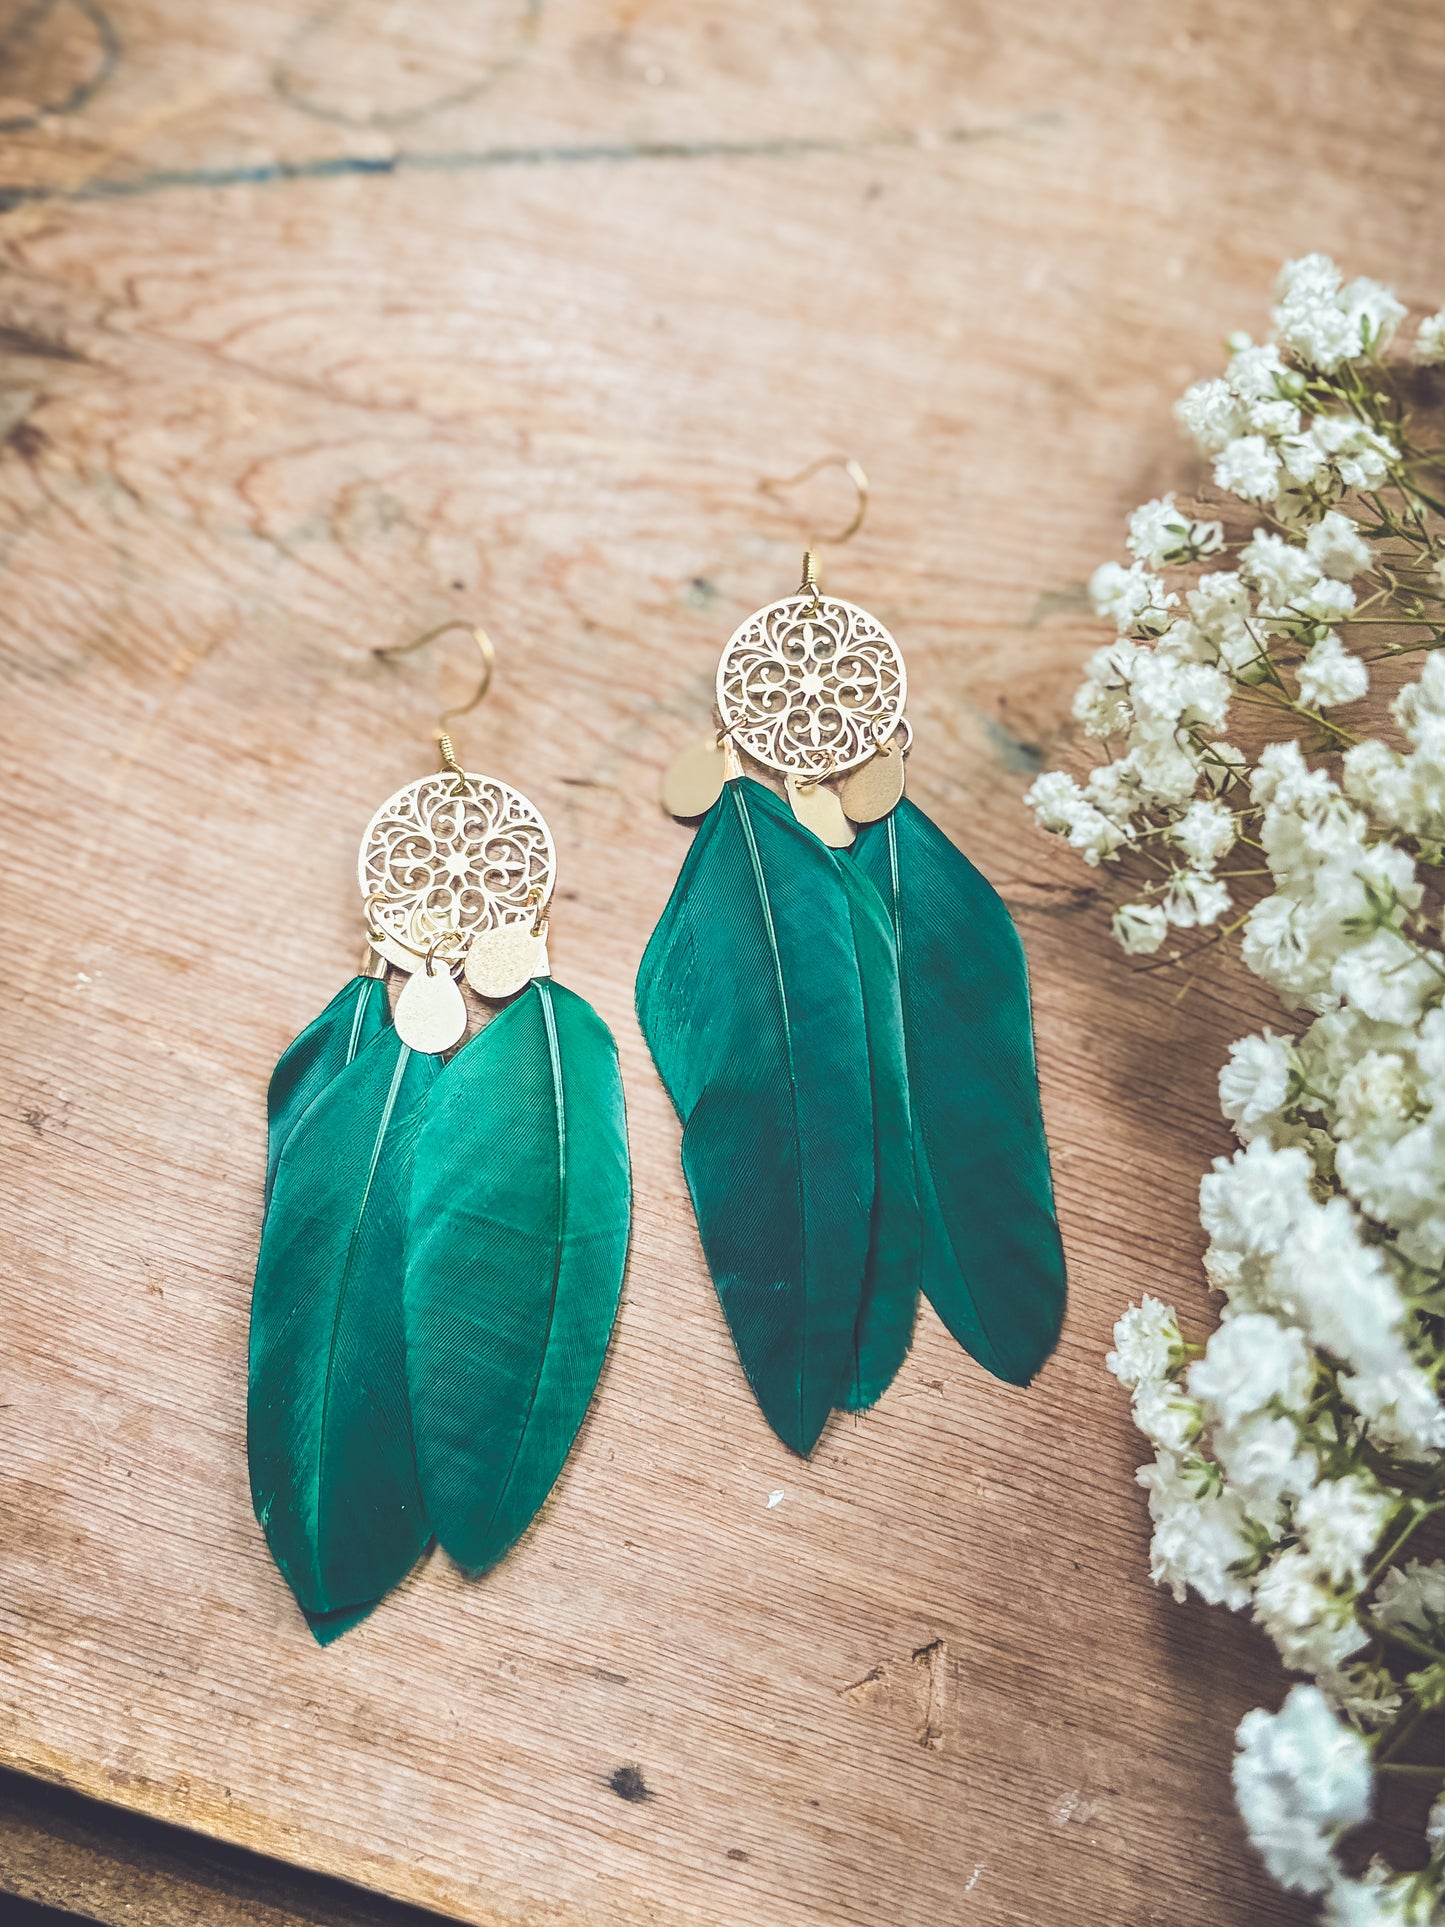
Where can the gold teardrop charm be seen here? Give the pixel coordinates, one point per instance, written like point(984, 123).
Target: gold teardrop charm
point(430, 1014)
point(694, 780)
point(873, 789)
point(817, 806)
point(502, 960)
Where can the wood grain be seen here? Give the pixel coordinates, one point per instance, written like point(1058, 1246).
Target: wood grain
point(321, 326)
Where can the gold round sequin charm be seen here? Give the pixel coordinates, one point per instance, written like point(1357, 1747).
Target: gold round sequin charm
point(694, 779)
point(875, 787)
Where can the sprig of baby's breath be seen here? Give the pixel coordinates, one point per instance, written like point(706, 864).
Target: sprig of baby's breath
point(1300, 1459)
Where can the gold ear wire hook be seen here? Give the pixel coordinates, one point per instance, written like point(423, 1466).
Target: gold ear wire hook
point(489, 662)
point(776, 485)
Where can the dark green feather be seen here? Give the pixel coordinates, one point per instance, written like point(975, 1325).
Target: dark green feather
point(993, 1267)
point(320, 1053)
point(750, 1000)
point(520, 1209)
point(889, 1308)
point(333, 1471)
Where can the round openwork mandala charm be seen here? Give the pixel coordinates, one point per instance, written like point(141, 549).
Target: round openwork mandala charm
point(449, 856)
point(811, 686)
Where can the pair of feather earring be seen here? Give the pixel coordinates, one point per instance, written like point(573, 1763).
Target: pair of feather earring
point(443, 1246)
point(841, 1018)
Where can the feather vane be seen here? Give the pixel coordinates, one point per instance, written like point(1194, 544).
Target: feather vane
point(993, 1265)
point(750, 999)
point(520, 1208)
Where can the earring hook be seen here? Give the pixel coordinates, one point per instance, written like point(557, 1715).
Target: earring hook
point(777, 485)
point(489, 662)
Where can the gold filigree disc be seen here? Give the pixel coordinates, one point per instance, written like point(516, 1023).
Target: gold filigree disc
point(448, 856)
point(808, 685)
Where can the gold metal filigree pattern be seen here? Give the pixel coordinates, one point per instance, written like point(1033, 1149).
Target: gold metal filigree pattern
point(810, 686)
point(450, 855)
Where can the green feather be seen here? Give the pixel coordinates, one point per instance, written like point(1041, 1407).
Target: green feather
point(333, 1471)
point(320, 1053)
point(886, 1316)
point(750, 1000)
point(520, 1209)
point(993, 1266)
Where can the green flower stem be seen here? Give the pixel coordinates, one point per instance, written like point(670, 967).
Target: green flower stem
point(1420, 1513)
point(1410, 1642)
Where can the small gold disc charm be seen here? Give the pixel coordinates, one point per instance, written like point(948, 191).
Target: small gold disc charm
point(871, 791)
point(430, 1015)
point(815, 805)
point(502, 960)
point(694, 780)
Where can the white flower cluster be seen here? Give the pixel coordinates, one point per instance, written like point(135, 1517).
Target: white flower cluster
point(1300, 1448)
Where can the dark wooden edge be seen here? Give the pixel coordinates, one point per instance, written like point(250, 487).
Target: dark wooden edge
point(101, 1864)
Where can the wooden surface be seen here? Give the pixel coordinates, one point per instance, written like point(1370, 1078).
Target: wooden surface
point(320, 326)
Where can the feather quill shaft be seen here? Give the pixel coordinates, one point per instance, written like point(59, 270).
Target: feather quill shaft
point(889, 1307)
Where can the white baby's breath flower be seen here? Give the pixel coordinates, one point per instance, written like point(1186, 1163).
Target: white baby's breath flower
point(1139, 928)
point(1284, 573)
point(1340, 1523)
point(1323, 324)
point(1254, 1081)
point(1412, 1596)
point(1148, 1345)
point(1359, 454)
point(1430, 340)
point(1301, 1777)
point(1338, 1288)
point(1202, 1538)
point(1330, 675)
point(1251, 1362)
point(1217, 600)
point(1205, 833)
point(1248, 468)
point(1380, 1898)
point(1385, 977)
point(1095, 836)
point(1055, 800)
point(1195, 898)
point(1161, 533)
point(1250, 1203)
point(1266, 1464)
point(1382, 779)
point(1166, 1417)
point(1366, 1694)
point(1134, 598)
point(1336, 547)
point(1310, 1618)
point(1211, 414)
point(1400, 1408)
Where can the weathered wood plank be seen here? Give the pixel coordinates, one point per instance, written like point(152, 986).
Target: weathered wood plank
point(319, 327)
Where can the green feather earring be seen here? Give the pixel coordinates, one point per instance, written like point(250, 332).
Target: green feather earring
point(445, 1235)
point(843, 1025)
